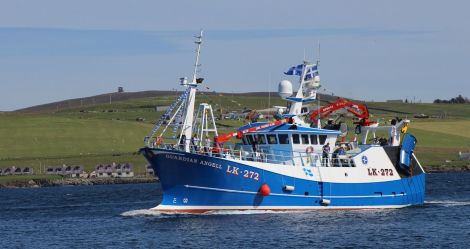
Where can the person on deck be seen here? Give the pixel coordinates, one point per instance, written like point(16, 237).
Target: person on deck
point(255, 148)
point(194, 143)
point(326, 152)
point(393, 133)
point(217, 149)
point(182, 142)
point(207, 145)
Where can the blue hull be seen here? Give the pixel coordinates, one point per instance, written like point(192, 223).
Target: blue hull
point(194, 183)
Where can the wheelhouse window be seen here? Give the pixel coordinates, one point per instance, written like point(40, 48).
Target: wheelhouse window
point(250, 139)
point(314, 139)
point(245, 140)
point(283, 138)
point(261, 139)
point(272, 139)
point(295, 139)
point(322, 139)
point(304, 138)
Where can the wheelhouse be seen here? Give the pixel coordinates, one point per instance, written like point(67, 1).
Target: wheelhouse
point(286, 142)
point(286, 136)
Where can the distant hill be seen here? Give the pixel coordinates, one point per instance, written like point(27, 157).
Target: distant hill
point(92, 100)
point(123, 96)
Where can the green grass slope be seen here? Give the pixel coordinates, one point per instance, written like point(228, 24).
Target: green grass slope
point(452, 110)
point(34, 140)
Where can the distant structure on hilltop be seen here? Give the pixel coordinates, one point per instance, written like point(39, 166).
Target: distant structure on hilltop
point(120, 89)
point(394, 101)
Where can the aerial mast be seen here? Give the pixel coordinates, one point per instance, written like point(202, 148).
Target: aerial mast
point(198, 53)
point(187, 129)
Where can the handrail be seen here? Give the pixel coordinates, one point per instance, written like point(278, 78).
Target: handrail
point(179, 102)
point(294, 157)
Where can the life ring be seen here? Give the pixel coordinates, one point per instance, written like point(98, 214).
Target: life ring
point(159, 140)
point(309, 149)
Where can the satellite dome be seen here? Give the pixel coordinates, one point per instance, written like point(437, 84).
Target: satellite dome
point(285, 89)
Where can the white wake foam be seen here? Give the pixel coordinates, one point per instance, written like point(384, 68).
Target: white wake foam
point(141, 213)
point(154, 213)
point(448, 203)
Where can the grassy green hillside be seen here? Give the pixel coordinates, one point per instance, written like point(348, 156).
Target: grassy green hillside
point(460, 128)
point(436, 146)
point(108, 133)
point(452, 110)
point(38, 140)
point(36, 136)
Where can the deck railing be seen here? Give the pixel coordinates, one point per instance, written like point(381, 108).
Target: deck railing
point(291, 158)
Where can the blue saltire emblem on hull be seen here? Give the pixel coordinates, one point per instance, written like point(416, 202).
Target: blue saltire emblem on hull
point(308, 172)
point(364, 160)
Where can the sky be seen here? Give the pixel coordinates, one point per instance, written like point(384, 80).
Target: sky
point(52, 50)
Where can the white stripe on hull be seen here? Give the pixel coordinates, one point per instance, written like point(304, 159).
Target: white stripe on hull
point(289, 195)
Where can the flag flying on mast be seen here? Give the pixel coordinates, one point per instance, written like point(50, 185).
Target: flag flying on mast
point(311, 72)
point(295, 70)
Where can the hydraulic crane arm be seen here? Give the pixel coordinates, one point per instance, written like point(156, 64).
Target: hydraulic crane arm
point(239, 134)
point(358, 110)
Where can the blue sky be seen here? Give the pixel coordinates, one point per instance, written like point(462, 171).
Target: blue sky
point(370, 50)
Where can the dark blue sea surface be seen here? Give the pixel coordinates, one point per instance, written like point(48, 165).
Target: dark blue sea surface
point(116, 216)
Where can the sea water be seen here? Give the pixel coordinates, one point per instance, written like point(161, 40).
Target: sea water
point(117, 216)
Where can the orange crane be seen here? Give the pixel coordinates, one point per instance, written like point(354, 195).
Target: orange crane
point(359, 110)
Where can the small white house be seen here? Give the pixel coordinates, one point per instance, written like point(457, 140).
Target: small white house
point(114, 170)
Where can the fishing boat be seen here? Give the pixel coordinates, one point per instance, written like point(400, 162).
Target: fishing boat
point(291, 163)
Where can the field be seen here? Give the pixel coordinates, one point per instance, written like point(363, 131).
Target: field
point(457, 128)
point(107, 133)
point(441, 147)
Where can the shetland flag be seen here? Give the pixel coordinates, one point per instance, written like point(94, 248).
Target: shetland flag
point(311, 72)
point(295, 70)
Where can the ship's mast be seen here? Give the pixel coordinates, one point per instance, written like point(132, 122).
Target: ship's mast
point(296, 107)
point(198, 53)
point(187, 129)
point(308, 88)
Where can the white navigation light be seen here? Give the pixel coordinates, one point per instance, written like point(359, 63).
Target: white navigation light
point(285, 89)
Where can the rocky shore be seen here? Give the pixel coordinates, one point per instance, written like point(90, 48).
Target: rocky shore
point(37, 183)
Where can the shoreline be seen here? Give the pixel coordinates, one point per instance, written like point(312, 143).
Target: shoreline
point(447, 169)
point(38, 182)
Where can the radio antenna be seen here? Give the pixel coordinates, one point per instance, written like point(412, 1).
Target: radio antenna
point(318, 59)
point(198, 52)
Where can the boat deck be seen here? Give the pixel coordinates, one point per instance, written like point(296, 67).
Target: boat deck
point(294, 158)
